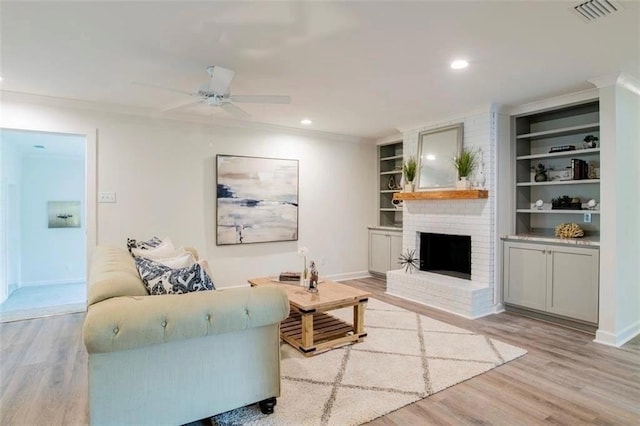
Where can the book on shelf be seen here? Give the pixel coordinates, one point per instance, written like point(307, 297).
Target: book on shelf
point(562, 148)
point(579, 169)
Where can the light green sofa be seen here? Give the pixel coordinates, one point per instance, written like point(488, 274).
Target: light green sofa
point(173, 359)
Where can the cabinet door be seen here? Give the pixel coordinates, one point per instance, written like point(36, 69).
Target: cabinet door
point(572, 286)
point(379, 246)
point(395, 240)
point(525, 275)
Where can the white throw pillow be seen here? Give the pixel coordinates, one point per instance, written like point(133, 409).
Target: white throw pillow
point(183, 261)
point(163, 251)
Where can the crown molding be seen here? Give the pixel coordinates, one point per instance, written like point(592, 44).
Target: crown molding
point(622, 79)
point(556, 101)
point(52, 101)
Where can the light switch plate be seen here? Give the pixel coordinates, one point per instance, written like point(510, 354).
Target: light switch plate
point(587, 218)
point(107, 197)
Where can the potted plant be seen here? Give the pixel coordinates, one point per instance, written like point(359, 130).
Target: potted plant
point(590, 141)
point(465, 164)
point(409, 171)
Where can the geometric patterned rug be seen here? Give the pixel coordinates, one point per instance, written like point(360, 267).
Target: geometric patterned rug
point(405, 357)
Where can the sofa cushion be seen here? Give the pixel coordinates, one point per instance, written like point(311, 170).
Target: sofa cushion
point(181, 261)
point(161, 279)
point(164, 250)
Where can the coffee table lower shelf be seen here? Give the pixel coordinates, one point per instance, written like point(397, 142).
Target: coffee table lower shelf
point(327, 331)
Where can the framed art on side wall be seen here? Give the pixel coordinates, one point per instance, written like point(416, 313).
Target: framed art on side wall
point(256, 199)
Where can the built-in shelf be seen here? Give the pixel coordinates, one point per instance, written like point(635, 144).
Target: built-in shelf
point(571, 153)
point(393, 157)
point(445, 194)
point(558, 211)
point(561, 132)
point(558, 182)
point(392, 172)
point(389, 191)
point(389, 209)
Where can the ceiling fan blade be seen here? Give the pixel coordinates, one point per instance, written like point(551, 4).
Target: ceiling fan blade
point(220, 79)
point(138, 83)
point(184, 105)
point(262, 99)
point(234, 110)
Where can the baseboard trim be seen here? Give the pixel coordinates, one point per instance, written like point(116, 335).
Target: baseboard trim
point(617, 339)
point(348, 276)
point(53, 282)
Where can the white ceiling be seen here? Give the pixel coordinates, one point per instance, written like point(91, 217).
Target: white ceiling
point(355, 68)
point(25, 143)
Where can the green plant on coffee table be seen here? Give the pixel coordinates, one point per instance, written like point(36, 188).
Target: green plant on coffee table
point(465, 163)
point(409, 169)
point(408, 261)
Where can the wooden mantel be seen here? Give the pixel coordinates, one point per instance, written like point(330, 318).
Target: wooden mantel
point(445, 194)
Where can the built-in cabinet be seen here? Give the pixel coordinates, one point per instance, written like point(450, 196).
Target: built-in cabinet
point(390, 160)
point(536, 136)
point(385, 246)
point(555, 279)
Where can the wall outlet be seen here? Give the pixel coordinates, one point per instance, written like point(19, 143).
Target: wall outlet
point(107, 197)
point(587, 218)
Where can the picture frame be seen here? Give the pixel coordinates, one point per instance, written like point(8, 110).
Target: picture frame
point(436, 151)
point(256, 199)
point(63, 214)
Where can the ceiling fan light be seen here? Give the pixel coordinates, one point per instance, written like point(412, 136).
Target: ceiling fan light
point(459, 64)
point(305, 121)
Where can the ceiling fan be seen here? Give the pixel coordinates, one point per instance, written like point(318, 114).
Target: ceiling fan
point(217, 94)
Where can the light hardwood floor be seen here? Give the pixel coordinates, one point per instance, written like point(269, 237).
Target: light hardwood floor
point(564, 379)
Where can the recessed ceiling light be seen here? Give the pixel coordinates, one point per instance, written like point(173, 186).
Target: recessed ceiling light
point(459, 64)
point(0, 78)
point(305, 121)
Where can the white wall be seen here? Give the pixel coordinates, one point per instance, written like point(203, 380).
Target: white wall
point(163, 173)
point(619, 318)
point(10, 223)
point(51, 255)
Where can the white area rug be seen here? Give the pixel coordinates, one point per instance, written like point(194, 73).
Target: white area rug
point(405, 357)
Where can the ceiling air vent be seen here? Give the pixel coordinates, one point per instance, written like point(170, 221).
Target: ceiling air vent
point(591, 10)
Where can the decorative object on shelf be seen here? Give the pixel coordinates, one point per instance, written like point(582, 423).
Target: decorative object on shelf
point(465, 164)
point(289, 276)
point(313, 278)
point(563, 202)
point(562, 148)
point(481, 178)
point(569, 230)
point(594, 170)
point(592, 204)
point(539, 204)
point(304, 276)
point(541, 173)
point(408, 261)
point(579, 169)
point(257, 199)
point(392, 183)
point(409, 172)
point(559, 175)
point(398, 204)
point(590, 141)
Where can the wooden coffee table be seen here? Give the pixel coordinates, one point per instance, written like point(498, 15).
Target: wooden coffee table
point(309, 328)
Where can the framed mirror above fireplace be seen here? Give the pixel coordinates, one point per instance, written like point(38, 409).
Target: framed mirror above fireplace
point(436, 150)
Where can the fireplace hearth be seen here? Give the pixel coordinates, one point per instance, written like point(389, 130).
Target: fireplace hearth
point(446, 254)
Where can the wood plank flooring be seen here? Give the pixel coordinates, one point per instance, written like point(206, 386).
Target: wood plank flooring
point(564, 379)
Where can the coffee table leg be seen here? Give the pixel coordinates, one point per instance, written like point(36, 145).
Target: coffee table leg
point(358, 318)
point(307, 331)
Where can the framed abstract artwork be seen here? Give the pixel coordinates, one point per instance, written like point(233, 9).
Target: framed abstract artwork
point(257, 200)
point(63, 214)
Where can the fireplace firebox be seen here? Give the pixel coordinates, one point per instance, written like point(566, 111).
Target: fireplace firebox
point(446, 254)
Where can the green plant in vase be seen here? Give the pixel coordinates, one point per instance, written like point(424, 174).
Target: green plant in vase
point(409, 171)
point(465, 164)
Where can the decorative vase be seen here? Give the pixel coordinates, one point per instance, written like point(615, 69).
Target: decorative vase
point(463, 183)
point(541, 177)
point(408, 187)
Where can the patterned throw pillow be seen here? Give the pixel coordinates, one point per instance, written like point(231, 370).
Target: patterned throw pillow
point(143, 245)
point(161, 279)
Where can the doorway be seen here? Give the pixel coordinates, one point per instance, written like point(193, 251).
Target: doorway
point(45, 228)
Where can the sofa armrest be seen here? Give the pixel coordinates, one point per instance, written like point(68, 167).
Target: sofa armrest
point(129, 322)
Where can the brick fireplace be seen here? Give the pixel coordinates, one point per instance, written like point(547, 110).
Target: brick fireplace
point(475, 218)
